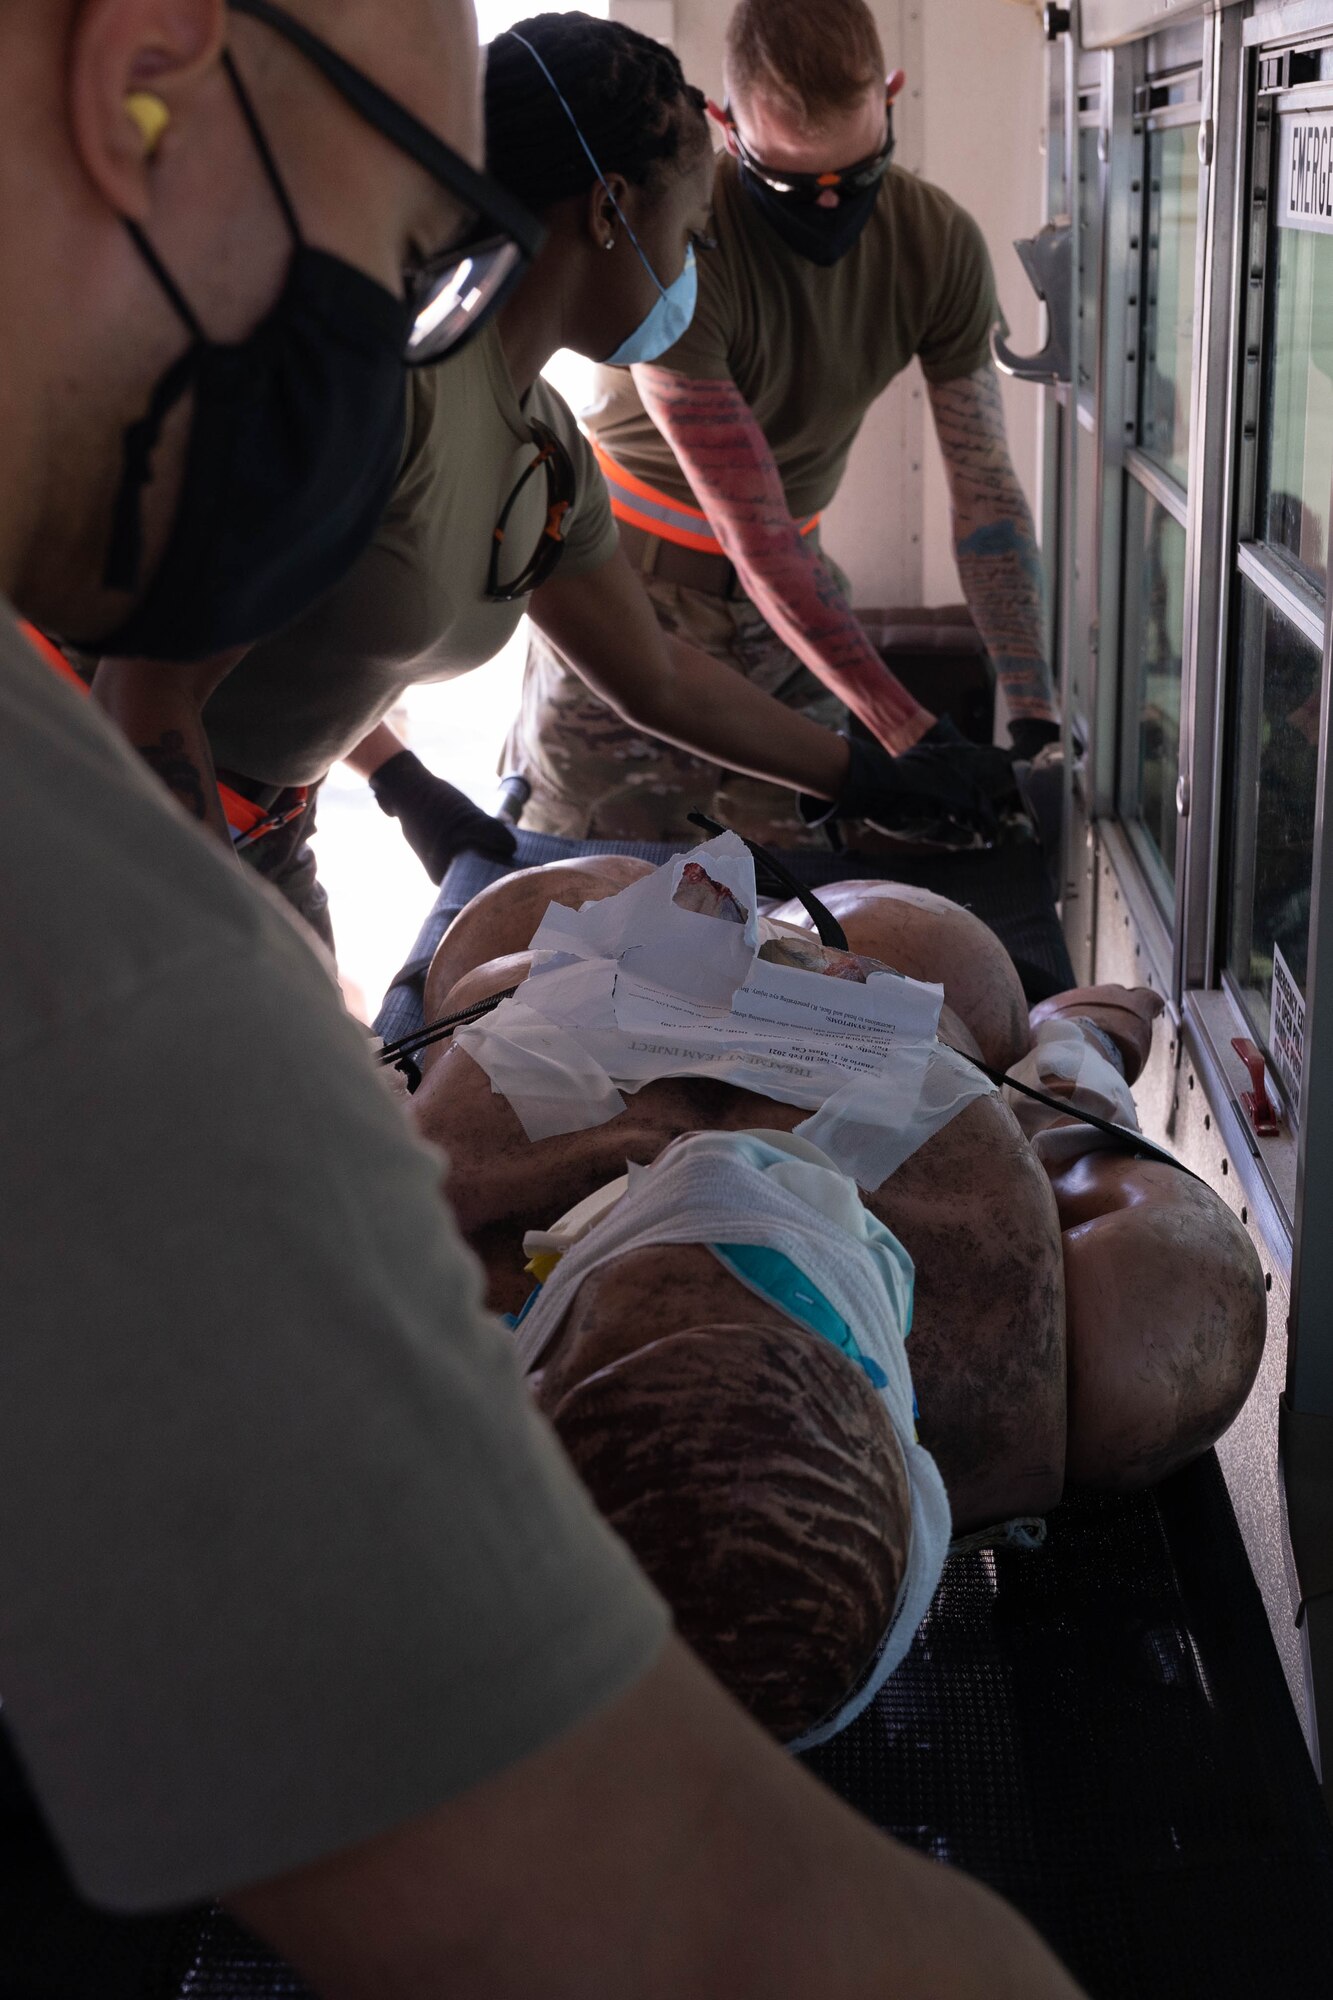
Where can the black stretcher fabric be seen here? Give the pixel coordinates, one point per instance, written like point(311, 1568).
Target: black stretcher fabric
point(1099, 1730)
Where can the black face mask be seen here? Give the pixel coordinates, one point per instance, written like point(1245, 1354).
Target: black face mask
point(821, 235)
point(294, 449)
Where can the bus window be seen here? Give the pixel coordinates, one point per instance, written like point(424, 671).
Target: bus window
point(1282, 563)
point(1272, 827)
point(1154, 625)
point(1162, 323)
point(1294, 501)
point(1087, 486)
point(1168, 318)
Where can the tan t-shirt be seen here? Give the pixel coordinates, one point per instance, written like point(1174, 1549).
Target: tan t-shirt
point(811, 347)
point(414, 608)
point(288, 1555)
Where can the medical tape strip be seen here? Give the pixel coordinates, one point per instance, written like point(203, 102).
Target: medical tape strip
point(549, 1078)
point(858, 1127)
point(686, 1196)
point(633, 989)
point(558, 1078)
point(1061, 1053)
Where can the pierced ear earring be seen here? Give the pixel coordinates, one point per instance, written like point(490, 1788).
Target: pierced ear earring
point(151, 116)
point(610, 243)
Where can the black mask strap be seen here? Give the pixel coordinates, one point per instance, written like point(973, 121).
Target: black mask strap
point(124, 557)
point(125, 554)
point(264, 150)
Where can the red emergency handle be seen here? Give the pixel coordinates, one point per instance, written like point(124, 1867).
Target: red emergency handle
point(1262, 1110)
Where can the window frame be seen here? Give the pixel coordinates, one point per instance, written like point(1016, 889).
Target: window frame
point(1212, 995)
point(1180, 94)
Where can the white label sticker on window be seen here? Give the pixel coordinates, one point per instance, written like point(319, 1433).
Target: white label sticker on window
point(1286, 1030)
point(1305, 172)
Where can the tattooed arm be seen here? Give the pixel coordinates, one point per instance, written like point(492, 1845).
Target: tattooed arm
point(994, 539)
point(159, 706)
point(727, 461)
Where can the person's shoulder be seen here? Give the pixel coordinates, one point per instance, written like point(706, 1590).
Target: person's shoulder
point(937, 241)
point(738, 243)
point(549, 407)
point(735, 226)
point(107, 884)
point(440, 399)
point(445, 432)
point(930, 211)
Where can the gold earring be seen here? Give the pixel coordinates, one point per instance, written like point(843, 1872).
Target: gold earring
point(151, 116)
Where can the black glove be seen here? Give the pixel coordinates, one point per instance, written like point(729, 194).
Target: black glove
point(942, 788)
point(438, 820)
point(1028, 734)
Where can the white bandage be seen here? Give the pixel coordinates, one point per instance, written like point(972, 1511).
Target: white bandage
point(1063, 1054)
point(776, 1191)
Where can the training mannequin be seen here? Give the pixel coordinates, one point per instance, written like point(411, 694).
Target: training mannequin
point(1079, 1315)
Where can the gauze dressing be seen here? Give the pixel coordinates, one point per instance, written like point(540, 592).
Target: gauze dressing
point(1060, 1053)
point(636, 987)
point(774, 1191)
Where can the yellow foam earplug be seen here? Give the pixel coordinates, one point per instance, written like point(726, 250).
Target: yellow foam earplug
point(151, 116)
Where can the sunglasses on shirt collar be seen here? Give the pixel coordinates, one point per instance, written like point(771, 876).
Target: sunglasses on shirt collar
point(804, 189)
point(454, 293)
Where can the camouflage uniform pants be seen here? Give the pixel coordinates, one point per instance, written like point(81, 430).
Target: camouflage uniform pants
point(594, 777)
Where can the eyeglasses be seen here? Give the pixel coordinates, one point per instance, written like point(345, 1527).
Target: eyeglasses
point(455, 293)
point(558, 466)
point(801, 189)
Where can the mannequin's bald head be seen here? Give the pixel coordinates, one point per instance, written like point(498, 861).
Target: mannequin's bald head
point(86, 331)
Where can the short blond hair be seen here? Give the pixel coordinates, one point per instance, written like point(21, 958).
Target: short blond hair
point(815, 56)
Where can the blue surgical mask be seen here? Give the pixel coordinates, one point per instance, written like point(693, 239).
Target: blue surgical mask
point(675, 308)
point(668, 319)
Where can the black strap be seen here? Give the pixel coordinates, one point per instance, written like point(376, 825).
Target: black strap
point(392, 1054)
point(481, 192)
point(262, 147)
point(124, 558)
point(164, 278)
point(1129, 1140)
point(1137, 1144)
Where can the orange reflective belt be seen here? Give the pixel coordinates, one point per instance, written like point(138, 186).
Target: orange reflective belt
point(52, 655)
point(250, 822)
point(247, 820)
point(656, 513)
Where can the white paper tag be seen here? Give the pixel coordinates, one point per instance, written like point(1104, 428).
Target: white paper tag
point(851, 1028)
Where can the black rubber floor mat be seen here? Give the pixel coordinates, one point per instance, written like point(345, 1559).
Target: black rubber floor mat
point(1102, 1732)
point(53, 1946)
point(1007, 889)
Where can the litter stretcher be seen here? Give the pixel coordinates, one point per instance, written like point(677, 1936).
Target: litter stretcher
point(1100, 1730)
